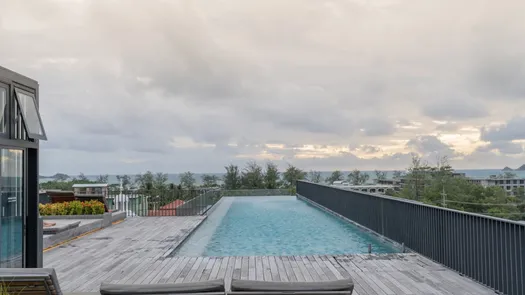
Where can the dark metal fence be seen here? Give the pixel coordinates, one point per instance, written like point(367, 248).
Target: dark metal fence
point(487, 249)
point(163, 202)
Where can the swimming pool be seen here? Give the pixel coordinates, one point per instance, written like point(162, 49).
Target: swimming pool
point(279, 225)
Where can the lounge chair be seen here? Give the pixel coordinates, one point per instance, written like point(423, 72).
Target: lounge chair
point(44, 281)
point(214, 287)
point(29, 281)
point(249, 287)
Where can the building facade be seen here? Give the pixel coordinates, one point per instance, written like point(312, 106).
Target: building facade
point(510, 185)
point(21, 130)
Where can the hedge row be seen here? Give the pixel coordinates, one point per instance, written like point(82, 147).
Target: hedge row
point(92, 207)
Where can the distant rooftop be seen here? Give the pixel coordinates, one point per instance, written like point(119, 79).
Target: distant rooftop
point(86, 185)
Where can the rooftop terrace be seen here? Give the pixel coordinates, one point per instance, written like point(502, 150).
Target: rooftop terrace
point(141, 250)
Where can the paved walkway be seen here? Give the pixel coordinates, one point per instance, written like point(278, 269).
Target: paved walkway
point(140, 250)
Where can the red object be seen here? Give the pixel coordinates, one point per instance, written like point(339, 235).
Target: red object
point(166, 210)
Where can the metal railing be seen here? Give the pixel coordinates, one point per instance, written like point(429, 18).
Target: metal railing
point(487, 249)
point(163, 202)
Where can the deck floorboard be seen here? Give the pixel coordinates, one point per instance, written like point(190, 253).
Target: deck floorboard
point(141, 250)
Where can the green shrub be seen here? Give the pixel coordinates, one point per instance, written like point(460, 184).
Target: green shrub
point(92, 207)
point(76, 208)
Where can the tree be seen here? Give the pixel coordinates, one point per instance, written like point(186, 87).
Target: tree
point(272, 176)
point(314, 176)
point(145, 181)
point(102, 178)
point(160, 181)
point(416, 178)
point(357, 177)
point(519, 193)
point(380, 175)
point(252, 176)
point(187, 180)
point(398, 174)
point(60, 177)
point(232, 178)
point(209, 180)
point(125, 180)
point(82, 177)
point(291, 175)
point(335, 176)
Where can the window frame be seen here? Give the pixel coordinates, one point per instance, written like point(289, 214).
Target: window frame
point(6, 134)
point(24, 208)
point(31, 135)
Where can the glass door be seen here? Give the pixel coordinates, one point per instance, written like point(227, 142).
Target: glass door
point(11, 208)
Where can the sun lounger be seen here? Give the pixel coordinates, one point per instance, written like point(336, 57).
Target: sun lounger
point(29, 281)
point(214, 287)
point(249, 287)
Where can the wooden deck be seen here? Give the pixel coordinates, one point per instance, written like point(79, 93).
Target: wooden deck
point(140, 250)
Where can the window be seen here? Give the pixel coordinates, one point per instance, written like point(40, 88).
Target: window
point(521, 181)
point(515, 182)
point(11, 208)
point(28, 110)
point(508, 188)
point(3, 109)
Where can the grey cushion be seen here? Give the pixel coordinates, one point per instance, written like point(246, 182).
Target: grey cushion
point(258, 286)
point(7, 274)
point(194, 287)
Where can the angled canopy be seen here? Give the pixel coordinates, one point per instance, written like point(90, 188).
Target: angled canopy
point(30, 115)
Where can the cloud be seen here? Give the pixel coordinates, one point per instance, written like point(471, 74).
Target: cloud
point(234, 77)
point(427, 145)
point(377, 127)
point(511, 130)
point(504, 147)
point(369, 149)
point(448, 127)
point(457, 109)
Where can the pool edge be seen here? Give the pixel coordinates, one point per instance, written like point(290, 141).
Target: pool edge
point(382, 238)
point(189, 234)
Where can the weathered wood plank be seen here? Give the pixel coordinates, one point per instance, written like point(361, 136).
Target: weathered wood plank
point(259, 269)
point(244, 268)
point(251, 268)
point(141, 250)
point(216, 268)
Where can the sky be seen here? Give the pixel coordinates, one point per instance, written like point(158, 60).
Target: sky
point(174, 86)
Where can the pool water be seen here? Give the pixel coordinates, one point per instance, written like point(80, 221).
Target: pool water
point(279, 225)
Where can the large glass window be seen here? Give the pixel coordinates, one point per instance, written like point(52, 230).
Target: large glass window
point(30, 114)
point(11, 208)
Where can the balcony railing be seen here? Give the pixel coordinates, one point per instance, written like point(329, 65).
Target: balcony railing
point(486, 249)
point(177, 202)
point(163, 202)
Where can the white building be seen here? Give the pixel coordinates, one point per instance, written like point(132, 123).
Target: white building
point(368, 188)
point(507, 184)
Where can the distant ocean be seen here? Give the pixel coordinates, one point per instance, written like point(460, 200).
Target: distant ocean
point(175, 177)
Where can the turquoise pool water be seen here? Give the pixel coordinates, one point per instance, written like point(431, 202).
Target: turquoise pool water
point(280, 225)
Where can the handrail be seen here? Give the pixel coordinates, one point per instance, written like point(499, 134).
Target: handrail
point(418, 203)
point(487, 249)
